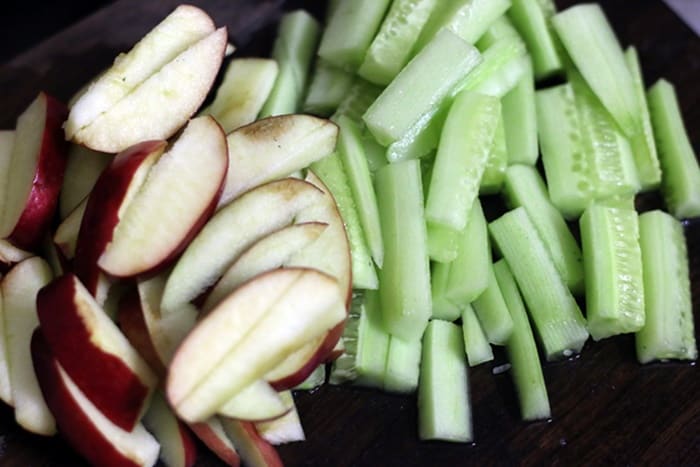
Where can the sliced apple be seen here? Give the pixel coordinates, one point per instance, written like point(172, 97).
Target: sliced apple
point(133, 324)
point(7, 141)
point(185, 26)
point(5, 385)
point(211, 433)
point(35, 173)
point(10, 254)
point(177, 447)
point(173, 204)
point(94, 352)
point(159, 106)
point(114, 190)
point(83, 168)
point(275, 147)
point(86, 429)
point(66, 236)
point(286, 429)
point(256, 402)
point(270, 252)
point(19, 290)
point(254, 450)
point(248, 334)
point(230, 231)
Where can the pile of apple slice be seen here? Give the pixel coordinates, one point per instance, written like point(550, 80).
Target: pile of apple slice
point(192, 280)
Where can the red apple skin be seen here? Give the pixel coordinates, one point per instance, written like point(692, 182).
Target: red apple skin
point(188, 444)
point(131, 322)
point(249, 442)
point(38, 211)
point(218, 446)
point(102, 211)
point(112, 386)
point(75, 426)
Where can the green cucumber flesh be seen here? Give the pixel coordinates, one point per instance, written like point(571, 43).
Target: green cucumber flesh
point(476, 345)
point(492, 312)
point(328, 87)
point(532, 19)
point(520, 120)
point(402, 366)
point(496, 163)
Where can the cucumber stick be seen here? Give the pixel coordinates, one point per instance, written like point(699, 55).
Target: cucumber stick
point(404, 281)
point(465, 144)
point(613, 263)
point(532, 19)
point(476, 345)
point(560, 325)
point(520, 120)
point(391, 48)
point(328, 87)
point(500, 28)
point(294, 48)
point(359, 97)
point(331, 172)
point(600, 60)
point(443, 242)
point(351, 27)
point(496, 162)
point(668, 331)
point(402, 366)
point(522, 351)
point(443, 308)
point(492, 312)
point(504, 63)
point(680, 184)
point(444, 412)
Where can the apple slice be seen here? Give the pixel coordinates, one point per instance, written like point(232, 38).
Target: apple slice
point(132, 323)
point(7, 141)
point(211, 433)
point(270, 252)
point(19, 290)
point(275, 147)
point(114, 190)
point(35, 173)
point(5, 386)
point(94, 352)
point(177, 447)
point(286, 429)
point(256, 402)
point(83, 168)
point(66, 236)
point(172, 205)
point(159, 106)
point(10, 255)
point(230, 231)
point(248, 334)
point(253, 448)
point(182, 28)
point(82, 424)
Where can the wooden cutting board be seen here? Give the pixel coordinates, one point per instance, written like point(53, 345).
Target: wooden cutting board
point(607, 409)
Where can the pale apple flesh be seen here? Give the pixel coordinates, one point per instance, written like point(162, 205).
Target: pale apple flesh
point(7, 142)
point(211, 433)
point(85, 428)
point(253, 448)
point(256, 402)
point(83, 168)
point(66, 236)
point(178, 196)
point(133, 324)
point(286, 429)
point(10, 255)
point(5, 385)
point(177, 447)
point(94, 352)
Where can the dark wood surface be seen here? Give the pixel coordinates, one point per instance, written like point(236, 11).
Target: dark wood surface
point(607, 409)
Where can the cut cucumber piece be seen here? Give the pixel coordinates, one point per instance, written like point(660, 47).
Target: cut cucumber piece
point(391, 48)
point(375, 152)
point(443, 243)
point(402, 366)
point(496, 163)
point(500, 28)
point(524, 187)
point(492, 312)
point(359, 97)
point(444, 412)
point(613, 263)
point(476, 346)
point(294, 48)
point(466, 141)
point(443, 308)
point(429, 78)
point(600, 60)
point(405, 276)
point(469, 19)
point(422, 141)
point(680, 183)
point(331, 172)
point(504, 63)
point(350, 30)
point(522, 351)
point(557, 317)
point(669, 331)
point(352, 154)
point(532, 19)
point(520, 120)
point(646, 158)
point(329, 86)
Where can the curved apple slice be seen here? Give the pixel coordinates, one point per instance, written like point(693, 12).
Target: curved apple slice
point(177, 447)
point(161, 104)
point(82, 424)
point(270, 252)
point(35, 173)
point(185, 26)
point(211, 433)
point(230, 231)
point(10, 254)
point(256, 402)
point(248, 334)
point(5, 387)
point(174, 202)
point(66, 236)
point(94, 351)
point(83, 168)
point(286, 429)
point(253, 448)
point(275, 147)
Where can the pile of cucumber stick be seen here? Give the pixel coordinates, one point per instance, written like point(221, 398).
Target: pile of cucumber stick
point(441, 102)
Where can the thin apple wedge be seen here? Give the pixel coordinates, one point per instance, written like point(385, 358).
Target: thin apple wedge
point(83, 168)
point(66, 236)
point(211, 433)
point(273, 148)
point(248, 334)
point(94, 352)
point(159, 106)
point(10, 255)
point(256, 402)
point(254, 450)
point(231, 231)
point(286, 429)
point(177, 447)
point(86, 429)
point(172, 205)
point(19, 290)
point(7, 141)
point(131, 321)
point(35, 173)
point(5, 385)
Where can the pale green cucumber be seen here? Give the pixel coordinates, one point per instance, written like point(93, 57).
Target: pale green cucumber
point(492, 312)
point(402, 366)
point(328, 87)
point(532, 19)
point(359, 97)
point(443, 242)
point(476, 346)
point(443, 308)
point(520, 120)
point(496, 163)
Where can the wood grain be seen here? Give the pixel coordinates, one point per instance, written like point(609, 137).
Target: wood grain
point(607, 409)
